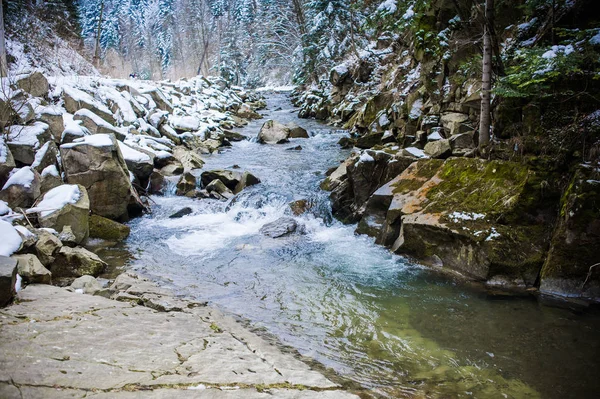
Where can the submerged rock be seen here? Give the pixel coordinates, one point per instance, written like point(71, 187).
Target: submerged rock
point(281, 227)
point(181, 213)
point(234, 180)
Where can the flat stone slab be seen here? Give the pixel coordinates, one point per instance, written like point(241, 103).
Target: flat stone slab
point(56, 343)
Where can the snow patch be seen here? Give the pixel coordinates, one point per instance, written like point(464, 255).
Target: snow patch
point(455, 216)
point(11, 240)
point(21, 177)
point(96, 140)
point(57, 198)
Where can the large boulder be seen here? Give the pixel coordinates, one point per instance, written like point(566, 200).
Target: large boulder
point(97, 164)
point(233, 180)
point(246, 112)
point(31, 269)
point(572, 267)
point(66, 205)
point(76, 262)
point(160, 99)
point(138, 163)
point(438, 149)
point(296, 131)
point(8, 277)
point(95, 124)
point(33, 83)
point(455, 123)
point(482, 219)
point(22, 188)
point(273, 132)
point(76, 99)
point(24, 141)
point(106, 229)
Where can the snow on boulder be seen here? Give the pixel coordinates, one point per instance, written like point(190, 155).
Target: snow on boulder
point(22, 188)
point(11, 239)
point(96, 163)
point(140, 164)
point(414, 152)
point(65, 205)
point(72, 130)
point(159, 98)
point(23, 141)
point(53, 117)
point(34, 83)
point(120, 104)
point(187, 123)
point(76, 99)
point(273, 132)
point(4, 208)
point(45, 156)
point(95, 124)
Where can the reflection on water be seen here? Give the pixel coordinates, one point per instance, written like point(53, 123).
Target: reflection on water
point(373, 317)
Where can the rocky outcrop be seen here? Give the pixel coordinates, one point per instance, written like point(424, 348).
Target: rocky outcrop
point(97, 164)
point(481, 219)
point(33, 83)
point(273, 132)
point(572, 267)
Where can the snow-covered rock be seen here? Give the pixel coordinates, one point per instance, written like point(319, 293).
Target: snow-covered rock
point(22, 188)
point(24, 141)
point(66, 205)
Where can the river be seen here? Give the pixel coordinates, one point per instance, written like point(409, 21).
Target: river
point(377, 319)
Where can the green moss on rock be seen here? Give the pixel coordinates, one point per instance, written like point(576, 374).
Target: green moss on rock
point(106, 229)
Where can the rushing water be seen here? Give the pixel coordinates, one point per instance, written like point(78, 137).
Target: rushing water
point(373, 317)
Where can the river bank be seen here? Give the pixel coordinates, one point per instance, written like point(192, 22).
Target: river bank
point(145, 343)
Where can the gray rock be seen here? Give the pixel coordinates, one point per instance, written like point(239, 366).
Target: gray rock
point(234, 180)
point(46, 247)
point(76, 99)
point(188, 159)
point(46, 156)
point(186, 183)
point(273, 132)
point(24, 141)
point(31, 269)
point(76, 215)
point(281, 227)
point(172, 169)
point(86, 285)
point(7, 164)
point(103, 172)
point(438, 149)
point(76, 262)
point(18, 194)
point(217, 186)
point(96, 124)
point(33, 83)
point(297, 131)
point(55, 121)
point(8, 277)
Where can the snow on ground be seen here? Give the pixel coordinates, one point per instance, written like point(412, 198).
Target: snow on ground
point(455, 216)
point(4, 209)
point(11, 240)
point(57, 198)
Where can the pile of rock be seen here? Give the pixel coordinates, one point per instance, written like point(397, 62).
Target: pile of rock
point(79, 155)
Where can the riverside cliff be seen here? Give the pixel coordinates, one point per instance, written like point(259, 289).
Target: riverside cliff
point(527, 214)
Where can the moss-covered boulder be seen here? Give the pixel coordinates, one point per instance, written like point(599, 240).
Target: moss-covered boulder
point(569, 269)
point(106, 229)
point(479, 218)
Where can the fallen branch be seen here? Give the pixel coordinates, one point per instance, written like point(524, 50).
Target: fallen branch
point(589, 275)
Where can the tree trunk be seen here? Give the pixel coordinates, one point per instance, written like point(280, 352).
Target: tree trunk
point(98, 33)
point(486, 77)
point(3, 63)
